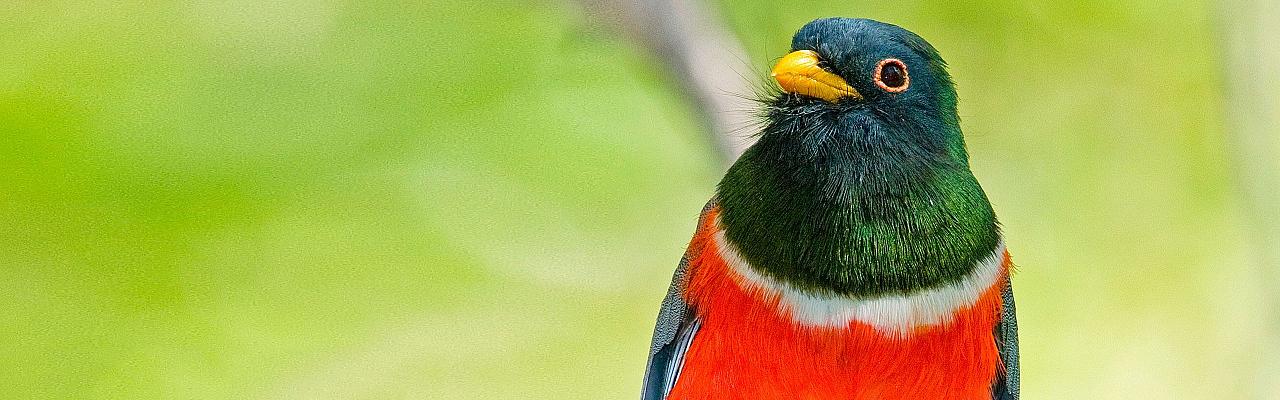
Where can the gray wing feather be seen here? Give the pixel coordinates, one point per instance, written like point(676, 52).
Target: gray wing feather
point(1007, 384)
point(671, 339)
point(677, 325)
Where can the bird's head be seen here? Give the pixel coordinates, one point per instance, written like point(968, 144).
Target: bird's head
point(882, 86)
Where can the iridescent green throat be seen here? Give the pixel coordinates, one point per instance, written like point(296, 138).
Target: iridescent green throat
point(849, 208)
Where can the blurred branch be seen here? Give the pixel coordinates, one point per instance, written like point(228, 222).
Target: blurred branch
point(1253, 115)
point(701, 54)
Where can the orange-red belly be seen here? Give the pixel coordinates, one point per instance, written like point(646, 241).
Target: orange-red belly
point(746, 349)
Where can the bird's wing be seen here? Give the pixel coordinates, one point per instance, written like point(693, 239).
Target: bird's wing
point(677, 324)
point(1006, 385)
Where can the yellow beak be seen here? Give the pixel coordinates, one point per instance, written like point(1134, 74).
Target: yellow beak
point(799, 73)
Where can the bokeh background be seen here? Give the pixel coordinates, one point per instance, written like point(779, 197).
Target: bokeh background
point(485, 200)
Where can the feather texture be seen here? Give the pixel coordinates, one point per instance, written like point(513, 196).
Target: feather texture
point(894, 314)
point(748, 348)
point(675, 329)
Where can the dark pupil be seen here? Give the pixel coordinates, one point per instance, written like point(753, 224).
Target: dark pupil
point(891, 75)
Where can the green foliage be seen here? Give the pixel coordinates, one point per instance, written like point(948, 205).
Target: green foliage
point(453, 200)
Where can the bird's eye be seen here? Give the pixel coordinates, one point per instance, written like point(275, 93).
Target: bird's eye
point(891, 75)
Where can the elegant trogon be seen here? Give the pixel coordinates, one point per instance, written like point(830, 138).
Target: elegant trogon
point(849, 253)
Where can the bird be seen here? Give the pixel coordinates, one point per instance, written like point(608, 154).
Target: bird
point(850, 253)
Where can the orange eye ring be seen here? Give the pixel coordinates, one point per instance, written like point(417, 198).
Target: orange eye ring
point(891, 75)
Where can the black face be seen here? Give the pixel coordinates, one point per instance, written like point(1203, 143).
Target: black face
point(907, 111)
point(890, 66)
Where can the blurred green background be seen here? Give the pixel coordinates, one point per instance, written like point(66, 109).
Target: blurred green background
point(460, 200)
